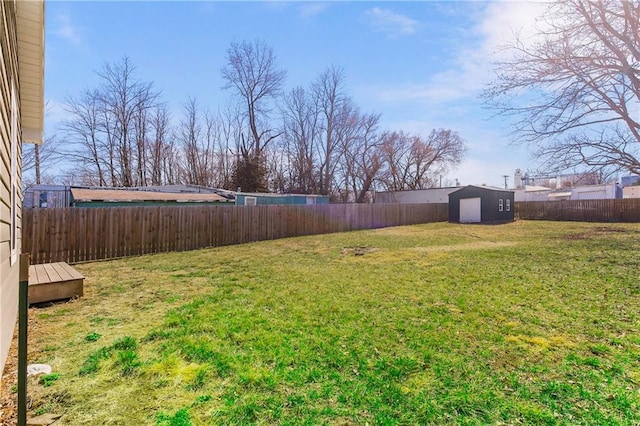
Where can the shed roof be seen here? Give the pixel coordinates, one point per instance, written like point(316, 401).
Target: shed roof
point(489, 188)
point(84, 194)
point(30, 29)
point(447, 189)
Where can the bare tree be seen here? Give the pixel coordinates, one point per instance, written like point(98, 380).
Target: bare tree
point(335, 115)
point(160, 144)
point(362, 157)
point(575, 90)
point(142, 142)
point(109, 129)
point(334, 149)
point(416, 162)
point(229, 129)
point(395, 153)
point(170, 165)
point(300, 121)
point(253, 73)
point(38, 161)
point(125, 100)
point(189, 134)
point(277, 168)
point(86, 147)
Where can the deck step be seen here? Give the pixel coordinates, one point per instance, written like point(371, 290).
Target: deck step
point(54, 281)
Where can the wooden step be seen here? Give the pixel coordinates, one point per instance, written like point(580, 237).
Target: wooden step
point(54, 281)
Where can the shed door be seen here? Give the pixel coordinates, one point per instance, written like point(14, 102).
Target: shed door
point(470, 210)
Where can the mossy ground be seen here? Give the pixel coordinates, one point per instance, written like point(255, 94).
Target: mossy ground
point(529, 322)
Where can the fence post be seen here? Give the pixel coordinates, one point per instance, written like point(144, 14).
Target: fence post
point(23, 320)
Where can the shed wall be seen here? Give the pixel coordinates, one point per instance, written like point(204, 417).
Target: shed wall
point(490, 199)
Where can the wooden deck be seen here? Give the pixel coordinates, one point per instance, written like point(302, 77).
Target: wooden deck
point(54, 281)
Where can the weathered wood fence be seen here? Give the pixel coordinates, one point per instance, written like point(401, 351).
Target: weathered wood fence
point(83, 234)
point(625, 210)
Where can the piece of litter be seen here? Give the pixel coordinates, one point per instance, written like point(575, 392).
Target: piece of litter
point(35, 369)
point(43, 420)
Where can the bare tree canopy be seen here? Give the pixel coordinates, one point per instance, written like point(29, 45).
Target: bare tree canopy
point(109, 128)
point(362, 159)
point(300, 129)
point(252, 71)
point(317, 140)
point(416, 162)
point(337, 117)
point(574, 89)
point(37, 161)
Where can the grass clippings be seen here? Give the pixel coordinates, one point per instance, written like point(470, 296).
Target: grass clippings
point(515, 324)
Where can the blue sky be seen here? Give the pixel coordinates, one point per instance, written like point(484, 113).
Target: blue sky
point(422, 65)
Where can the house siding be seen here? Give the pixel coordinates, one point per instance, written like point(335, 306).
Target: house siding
point(8, 271)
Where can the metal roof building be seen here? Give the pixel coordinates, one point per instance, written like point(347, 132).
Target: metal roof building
point(481, 204)
point(83, 197)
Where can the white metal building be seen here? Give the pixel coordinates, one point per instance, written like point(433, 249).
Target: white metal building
point(607, 191)
point(416, 196)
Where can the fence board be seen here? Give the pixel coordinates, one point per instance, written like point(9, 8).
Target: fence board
point(82, 234)
point(624, 210)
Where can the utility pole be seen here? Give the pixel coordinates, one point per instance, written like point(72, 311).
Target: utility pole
point(36, 151)
point(506, 186)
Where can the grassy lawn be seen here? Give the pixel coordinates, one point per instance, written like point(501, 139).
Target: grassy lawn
point(525, 323)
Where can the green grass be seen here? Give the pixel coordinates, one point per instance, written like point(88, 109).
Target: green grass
point(525, 323)
point(47, 380)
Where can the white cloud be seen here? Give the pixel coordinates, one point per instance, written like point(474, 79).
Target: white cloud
point(301, 9)
point(66, 30)
point(277, 5)
point(453, 93)
point(309, 10)
point(501, 21)
point(472, 70)
point(446, 86)
point(391, 23)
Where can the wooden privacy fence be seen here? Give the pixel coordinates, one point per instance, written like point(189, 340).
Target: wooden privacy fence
point(625, 210)
point(83, 234)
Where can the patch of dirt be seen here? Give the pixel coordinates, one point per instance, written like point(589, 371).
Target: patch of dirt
point(8, 392)
point(608, 229)
point(8, 396)
point(357, 250)
point(481, 245)
point(593, 232)
point(579, 236)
